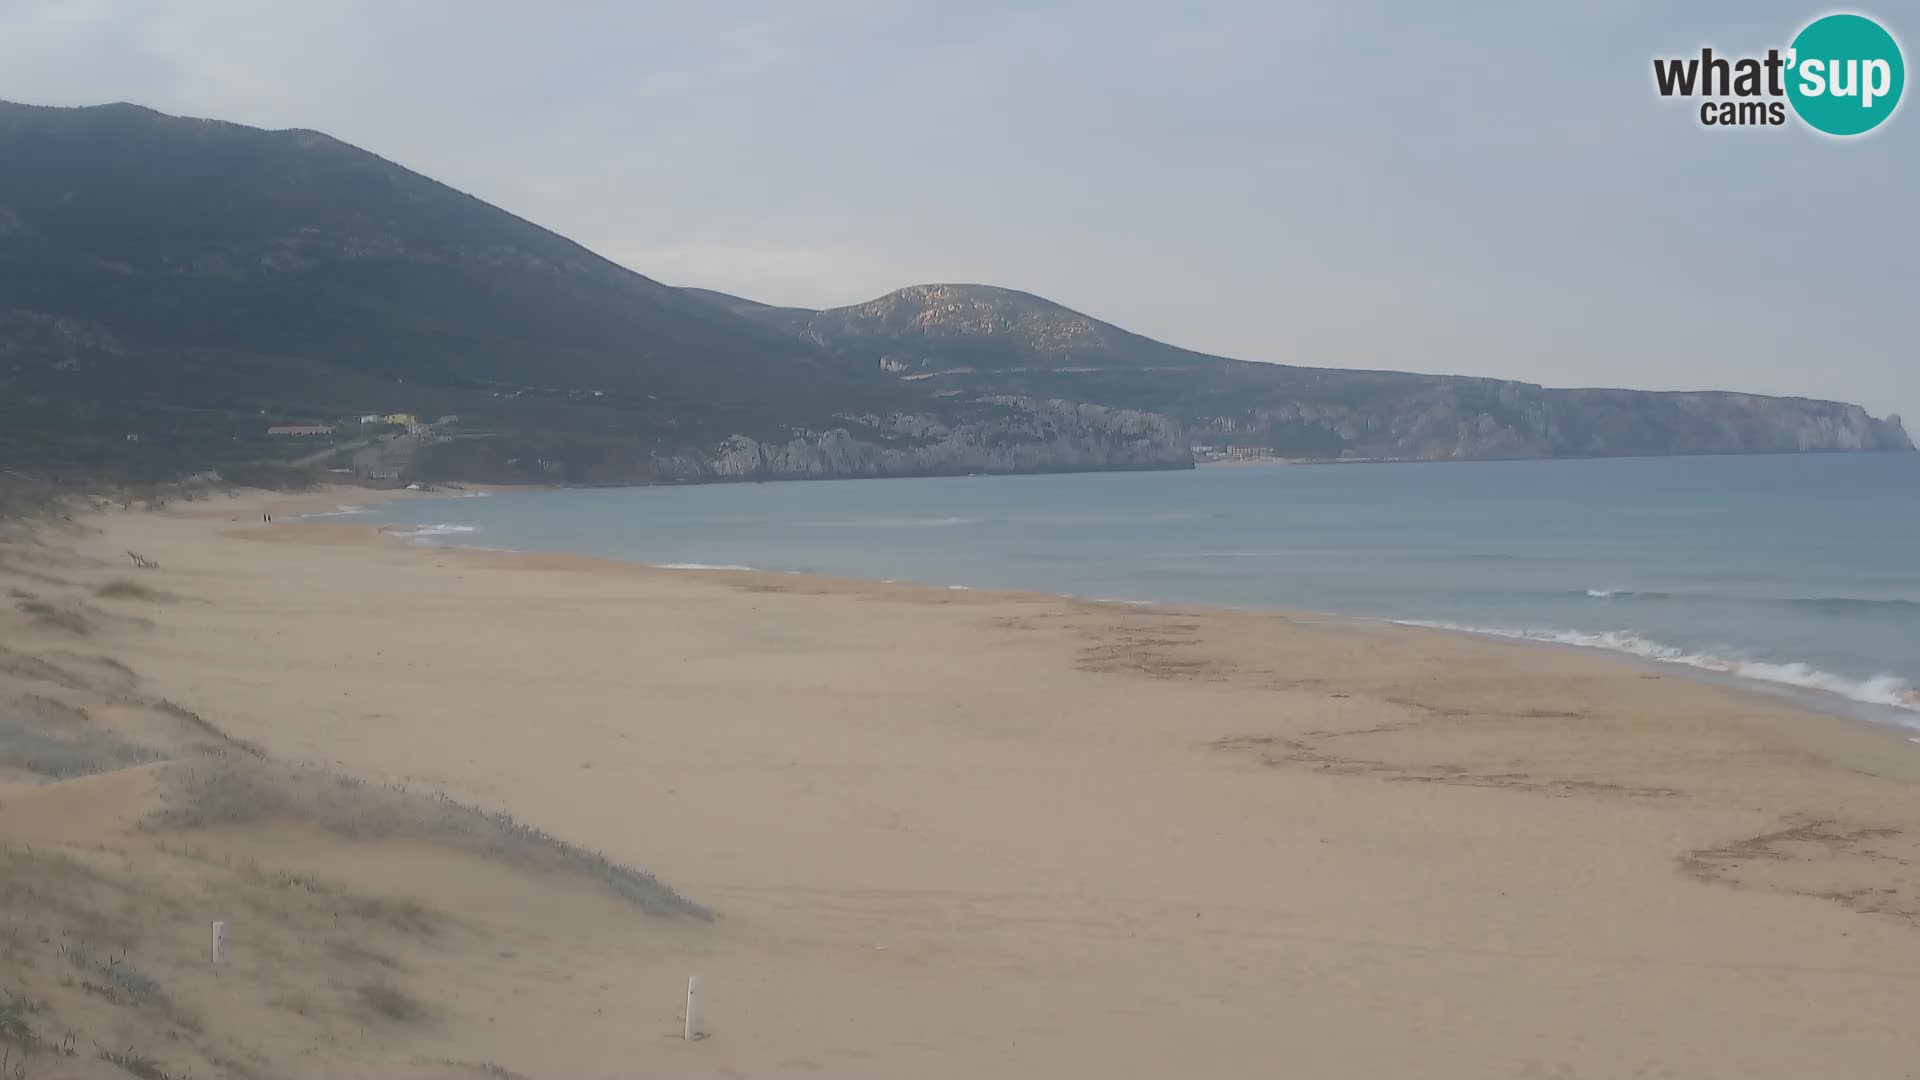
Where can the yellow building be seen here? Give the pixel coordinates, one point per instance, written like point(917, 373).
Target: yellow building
point(404, 419)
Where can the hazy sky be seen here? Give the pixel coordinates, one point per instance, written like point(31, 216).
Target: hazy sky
point(1489, 189)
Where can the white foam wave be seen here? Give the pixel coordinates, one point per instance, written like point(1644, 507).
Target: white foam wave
point(429, 532)
point(1279, 553)
point(1882, 689)
point(895, 523)
point(1119, 600)
point(699, 566)
point(961, 588)
point(338, 511)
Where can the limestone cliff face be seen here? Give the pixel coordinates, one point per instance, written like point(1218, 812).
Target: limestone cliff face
point(1626, 421)
point(1015, 435)
point(1482, 419)
point(966, 340)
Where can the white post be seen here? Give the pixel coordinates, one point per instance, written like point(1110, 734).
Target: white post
point(693, 1004)
point(219, 942)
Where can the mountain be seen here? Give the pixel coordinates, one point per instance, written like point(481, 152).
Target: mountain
point(977, 339)
point(186, 282)
point(167, 273)
point(932, 329)
point(180, 294)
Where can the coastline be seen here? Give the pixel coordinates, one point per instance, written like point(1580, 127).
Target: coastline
point(1881, 697)
point(1828, 703)
point(1007, 833)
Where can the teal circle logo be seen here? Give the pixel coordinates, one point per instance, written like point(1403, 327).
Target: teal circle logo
point(1845, 74)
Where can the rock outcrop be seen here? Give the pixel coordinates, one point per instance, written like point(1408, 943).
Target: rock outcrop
point(977, 339)
point(1481, 419)
point(1027, 436)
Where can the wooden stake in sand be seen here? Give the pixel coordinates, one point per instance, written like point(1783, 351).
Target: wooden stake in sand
point(693, 1002)
point(219, 942)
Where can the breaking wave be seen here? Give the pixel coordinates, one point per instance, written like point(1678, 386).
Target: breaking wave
point(1273, 553)
point(1883, 689)
point(1836, 605)
point(895, 523)
point(430, 532)
point(699, 566)
point(1627, 594)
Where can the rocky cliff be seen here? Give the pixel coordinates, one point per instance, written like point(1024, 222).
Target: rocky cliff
point(1480, 419)
point(1028, 436)
point(977, 339)
point(999, 435)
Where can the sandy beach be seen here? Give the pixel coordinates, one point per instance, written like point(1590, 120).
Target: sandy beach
point(939, 832)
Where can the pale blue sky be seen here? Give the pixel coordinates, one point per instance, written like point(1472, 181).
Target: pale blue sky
point(1488, 189)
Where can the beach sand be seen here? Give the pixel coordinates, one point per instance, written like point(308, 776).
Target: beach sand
point(944, 833)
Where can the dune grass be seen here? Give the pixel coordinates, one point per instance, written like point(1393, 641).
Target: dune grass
point(125, 589)
point(65, 620)
point(390, 1002)
point(236, 792)
point(134, 1063)
point(199, 725)
point(69, 751)
point(14, 1010)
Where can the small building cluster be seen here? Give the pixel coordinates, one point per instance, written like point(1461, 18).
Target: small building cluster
point(397, 419)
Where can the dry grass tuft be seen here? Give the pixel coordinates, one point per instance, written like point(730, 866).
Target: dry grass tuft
point(32, 668)
point(65, 620)
point(389, 1002)
point(397, 913)
point(124, 589)
point(134, 1064)
point(14, 1010)
point(200, 726)
point(62, 752)
point(235, 793)
point(483, 1068)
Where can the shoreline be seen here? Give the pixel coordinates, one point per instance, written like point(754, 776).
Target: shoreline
point(1810, 702)
point(1828, 703)
point(951, 831)
point(1718, 671)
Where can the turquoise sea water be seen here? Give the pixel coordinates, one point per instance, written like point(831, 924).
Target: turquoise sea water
point(1791, 572)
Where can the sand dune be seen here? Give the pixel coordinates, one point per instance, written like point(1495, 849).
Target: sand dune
point(948, 833)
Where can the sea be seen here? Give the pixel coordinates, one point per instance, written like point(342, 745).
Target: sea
point(1798, 574)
